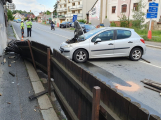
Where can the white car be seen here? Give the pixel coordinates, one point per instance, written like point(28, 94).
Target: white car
point(104, 43)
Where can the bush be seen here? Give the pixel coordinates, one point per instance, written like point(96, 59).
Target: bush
point(113, 24)
point(124, 21)
point(82, 20)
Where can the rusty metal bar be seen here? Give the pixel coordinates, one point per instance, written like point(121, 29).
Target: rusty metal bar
point(31, 54)
point(49, 69)
point(96, 103)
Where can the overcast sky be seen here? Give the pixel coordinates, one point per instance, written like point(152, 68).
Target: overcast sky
point(34, 5)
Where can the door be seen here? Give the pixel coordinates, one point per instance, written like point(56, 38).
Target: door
point(123, 43)
point(105, 48)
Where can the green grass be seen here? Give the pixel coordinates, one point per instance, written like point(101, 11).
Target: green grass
point(72, 28)
point(156, 34)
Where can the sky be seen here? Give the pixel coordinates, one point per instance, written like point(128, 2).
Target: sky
point(34, 5)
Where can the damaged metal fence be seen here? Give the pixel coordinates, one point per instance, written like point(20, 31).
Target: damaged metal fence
point(74, 88)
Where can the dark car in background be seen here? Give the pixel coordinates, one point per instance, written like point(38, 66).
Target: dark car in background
point(86, 28)
point(64, 25)
point(81, 23)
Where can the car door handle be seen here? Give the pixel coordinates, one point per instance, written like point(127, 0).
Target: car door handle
point(110, 44)
point(130, 42)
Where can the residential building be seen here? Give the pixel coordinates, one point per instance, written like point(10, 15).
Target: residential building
point(10, 6)
point(19, 16)
point(112, 9)
point(67, 8)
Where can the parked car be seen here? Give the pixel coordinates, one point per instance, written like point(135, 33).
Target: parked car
point(103, 43)
point(18, 21)
point(86, 28)
point(81, 23)
point(64, 25)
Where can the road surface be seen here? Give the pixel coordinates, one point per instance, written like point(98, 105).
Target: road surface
point(114, 71)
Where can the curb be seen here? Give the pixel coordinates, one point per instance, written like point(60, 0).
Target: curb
point(15, 33)
point(153, 46)
point(44, 102)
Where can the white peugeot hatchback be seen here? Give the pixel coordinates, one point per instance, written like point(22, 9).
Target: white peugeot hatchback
point(103, 43)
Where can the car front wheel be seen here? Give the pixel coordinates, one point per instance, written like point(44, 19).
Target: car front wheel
point(80, 56)
point(136, 54)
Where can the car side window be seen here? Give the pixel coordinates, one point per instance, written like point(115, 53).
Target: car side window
point(123, 34)
point(104, 36)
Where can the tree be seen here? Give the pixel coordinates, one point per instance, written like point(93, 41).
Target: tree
point(139, 15)
point(48, 12)
point(55, 9)
point(9, 14)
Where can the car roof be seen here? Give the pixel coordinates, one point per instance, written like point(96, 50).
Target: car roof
point(122, 28)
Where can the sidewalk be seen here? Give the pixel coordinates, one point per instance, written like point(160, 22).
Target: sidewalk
point(153, 44)
point(14, 91)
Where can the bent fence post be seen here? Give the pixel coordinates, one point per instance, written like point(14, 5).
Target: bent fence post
point(48, 71)
point(96, 103)
point(31, 54)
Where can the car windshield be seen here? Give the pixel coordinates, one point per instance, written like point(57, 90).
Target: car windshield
point(90, 27)
point(89, 34)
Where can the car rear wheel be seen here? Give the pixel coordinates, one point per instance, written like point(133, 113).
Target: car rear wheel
point(80, 56)
point(136, 54)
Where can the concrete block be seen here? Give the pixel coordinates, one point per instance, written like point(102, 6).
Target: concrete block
point(31, 71)
point(49, 114)
point(37, 86)
point(44, 102)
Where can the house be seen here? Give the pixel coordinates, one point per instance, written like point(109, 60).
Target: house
point(19, 16)
point(112, 9)
point(67, 8)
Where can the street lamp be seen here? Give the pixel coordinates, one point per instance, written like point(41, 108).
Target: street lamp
point(44, 11)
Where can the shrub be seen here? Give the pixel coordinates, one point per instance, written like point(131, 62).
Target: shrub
point(113, 24)
point(124, 21)
point(82, 20)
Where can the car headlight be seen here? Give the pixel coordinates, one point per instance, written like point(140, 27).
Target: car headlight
point(67, 46)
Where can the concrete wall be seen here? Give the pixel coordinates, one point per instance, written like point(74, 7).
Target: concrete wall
point(3, 36)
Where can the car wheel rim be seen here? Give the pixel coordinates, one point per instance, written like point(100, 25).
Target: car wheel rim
point(136, 54)
point(80, 56)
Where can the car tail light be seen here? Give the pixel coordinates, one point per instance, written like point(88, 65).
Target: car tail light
point(142, 40)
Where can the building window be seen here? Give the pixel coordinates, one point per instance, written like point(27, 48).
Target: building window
point(73, 4)
point(113, 9)
point(78, 3)
point(135, 7)
point(124, 8)
point(149, 0)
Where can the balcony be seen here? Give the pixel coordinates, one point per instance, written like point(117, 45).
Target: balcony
point(62, 2)
point(77, 7)
point(61, 16)
point(61, 9)
point(72, 1)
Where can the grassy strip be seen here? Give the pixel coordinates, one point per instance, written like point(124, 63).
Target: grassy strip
point(156, 34)
point(72, 28)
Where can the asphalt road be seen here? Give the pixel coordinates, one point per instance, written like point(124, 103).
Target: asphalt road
point(114, 71)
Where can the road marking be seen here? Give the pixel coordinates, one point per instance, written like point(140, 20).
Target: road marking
point(150, 64)
point(53, 33)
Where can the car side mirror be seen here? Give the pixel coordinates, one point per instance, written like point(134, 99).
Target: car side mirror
point(97, 40)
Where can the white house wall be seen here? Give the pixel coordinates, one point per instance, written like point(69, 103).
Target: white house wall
point(115, 16)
